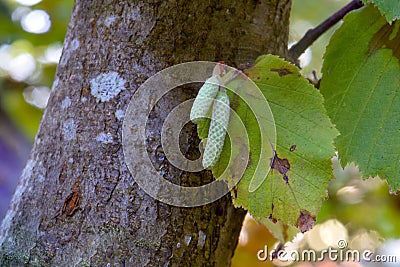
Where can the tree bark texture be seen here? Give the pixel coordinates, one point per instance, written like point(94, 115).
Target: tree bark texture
point(77, 204)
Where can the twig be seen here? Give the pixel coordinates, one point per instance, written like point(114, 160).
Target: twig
point(296, 50)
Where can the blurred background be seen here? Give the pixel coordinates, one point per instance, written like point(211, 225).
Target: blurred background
point(362, 212)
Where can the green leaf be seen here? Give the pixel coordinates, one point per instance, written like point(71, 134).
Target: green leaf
point(389, 8)
point(361, 87)
point(304, 138)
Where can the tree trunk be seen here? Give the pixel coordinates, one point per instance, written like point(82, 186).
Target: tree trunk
point(77, 204)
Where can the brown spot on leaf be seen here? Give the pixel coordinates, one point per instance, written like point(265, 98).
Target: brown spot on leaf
point(271, 217)
point(281, 165)
point(305, 221)
point(274, 220)
point(282, 72)
point(235, 191)
point(387, 37)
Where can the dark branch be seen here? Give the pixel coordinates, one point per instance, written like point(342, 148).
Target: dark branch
point(296, 50)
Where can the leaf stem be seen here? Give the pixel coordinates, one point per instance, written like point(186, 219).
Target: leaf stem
point(311, 35)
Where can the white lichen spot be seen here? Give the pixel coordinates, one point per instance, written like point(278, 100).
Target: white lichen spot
point(66, 103)
point(69, 130)
point(105, 138)
point(69, 48)
point(109, 20)
point(74, 44)
point(28, 168)
point(119, 114)
point(83, 99)
point(71, 160)
point(55, 84)
point(202, 239)
point(187, 238)
point(41, 178)
point(106, 86)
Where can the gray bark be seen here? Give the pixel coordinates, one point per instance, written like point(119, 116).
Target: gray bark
point(77, 204)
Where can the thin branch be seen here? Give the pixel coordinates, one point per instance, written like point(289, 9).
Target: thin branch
point(296, 50)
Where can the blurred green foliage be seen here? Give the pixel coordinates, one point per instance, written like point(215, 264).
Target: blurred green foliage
point(16, 41)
